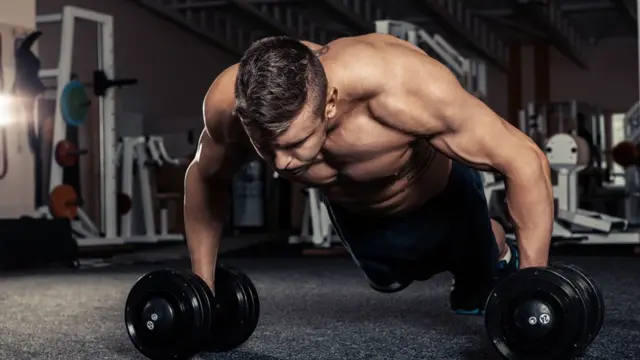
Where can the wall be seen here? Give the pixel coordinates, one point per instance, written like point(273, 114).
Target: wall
point(497, 90)
point(20, 13)
point(150, 49)
point(17, 17)
point(611, 81)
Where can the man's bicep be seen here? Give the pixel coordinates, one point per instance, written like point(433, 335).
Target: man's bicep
point(216, 158)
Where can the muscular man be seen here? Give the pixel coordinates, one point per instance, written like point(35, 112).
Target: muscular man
point(393, 141)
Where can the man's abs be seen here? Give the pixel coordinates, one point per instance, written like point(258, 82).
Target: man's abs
point(423, 177)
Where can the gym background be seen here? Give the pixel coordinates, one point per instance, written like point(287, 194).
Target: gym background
point(95, 143)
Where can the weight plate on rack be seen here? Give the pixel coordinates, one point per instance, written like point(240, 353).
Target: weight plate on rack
point(63, 202)
point(74, 103)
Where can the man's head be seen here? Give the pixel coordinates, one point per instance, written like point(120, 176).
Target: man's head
point(282, 100)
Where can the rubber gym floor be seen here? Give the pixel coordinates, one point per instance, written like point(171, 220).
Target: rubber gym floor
point(312, 308)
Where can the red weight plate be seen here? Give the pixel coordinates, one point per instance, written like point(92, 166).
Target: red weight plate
point(63, 202)
point(66, 153)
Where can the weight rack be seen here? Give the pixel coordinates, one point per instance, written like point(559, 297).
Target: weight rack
point(62, 74)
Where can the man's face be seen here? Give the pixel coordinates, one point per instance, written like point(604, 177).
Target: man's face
point(294, 151)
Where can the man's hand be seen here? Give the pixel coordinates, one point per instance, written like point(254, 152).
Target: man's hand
point(423, 98)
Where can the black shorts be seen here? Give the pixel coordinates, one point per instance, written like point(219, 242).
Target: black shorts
point(451, 232)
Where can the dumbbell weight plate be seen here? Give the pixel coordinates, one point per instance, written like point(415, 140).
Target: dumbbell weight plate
point(595, 301)
point(253, 302)
point(548, 287)
point(599, 300)
point(231, 310)
point(177, 339)
point(234, 305)
point(206, 303)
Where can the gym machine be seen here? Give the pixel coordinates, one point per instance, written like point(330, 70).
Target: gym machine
point(568, 154)
point(631, 173)
point(316, 224)
point(554, 312)
point(471, 73)
point(626, 154)
point(317, 228)
point(536, 119)
point(135, 156)
point(632, 135)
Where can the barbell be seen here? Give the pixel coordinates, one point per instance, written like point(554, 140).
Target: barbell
point(74, 102)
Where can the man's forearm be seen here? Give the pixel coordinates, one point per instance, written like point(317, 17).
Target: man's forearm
point(205, 210)
point(530, 203)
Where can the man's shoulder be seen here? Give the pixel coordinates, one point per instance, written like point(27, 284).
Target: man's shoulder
point(362, 64)
point(221, 91)
point(369, 45)
point(219, 102)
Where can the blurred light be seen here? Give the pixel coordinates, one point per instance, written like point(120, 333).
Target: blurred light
point(6, 110)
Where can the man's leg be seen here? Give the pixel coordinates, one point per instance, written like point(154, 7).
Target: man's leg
point(501, 238)
point(479, 252)
point(397, 250)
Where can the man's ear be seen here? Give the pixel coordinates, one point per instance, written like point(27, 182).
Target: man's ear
point(330, 109)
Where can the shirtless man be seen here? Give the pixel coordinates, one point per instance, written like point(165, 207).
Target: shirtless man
point(392, 141)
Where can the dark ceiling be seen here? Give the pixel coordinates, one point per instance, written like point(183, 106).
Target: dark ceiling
point(482, 27)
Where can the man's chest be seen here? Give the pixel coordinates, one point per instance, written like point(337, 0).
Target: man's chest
point(359, 150)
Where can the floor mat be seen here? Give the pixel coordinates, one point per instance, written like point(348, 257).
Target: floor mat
point(312, 308)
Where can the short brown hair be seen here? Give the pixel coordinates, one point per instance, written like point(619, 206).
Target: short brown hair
point(277, 76)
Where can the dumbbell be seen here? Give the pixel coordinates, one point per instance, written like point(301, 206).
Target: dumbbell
point(551, 313)
point(173, 314)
